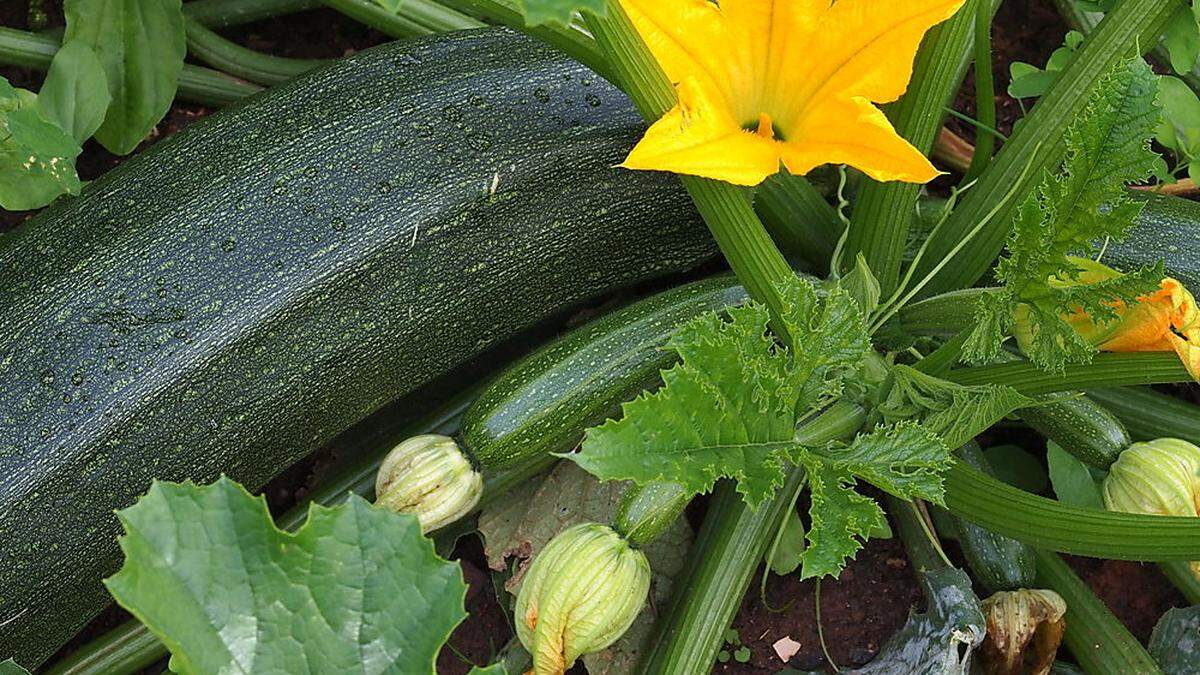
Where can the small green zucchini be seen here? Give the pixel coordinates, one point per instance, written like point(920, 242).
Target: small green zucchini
point(998, 563)
point(544, 402)
point(1082, 427)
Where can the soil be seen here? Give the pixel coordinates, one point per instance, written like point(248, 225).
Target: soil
point(877, 591)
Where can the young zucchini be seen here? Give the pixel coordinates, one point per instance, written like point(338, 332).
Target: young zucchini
point(998, 563)
point(1082, 427)
point(245, 290)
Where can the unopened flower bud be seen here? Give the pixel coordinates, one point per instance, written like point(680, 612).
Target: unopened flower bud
point(429, 477)
point(581, 593)
point(1158, 477)
point(1024, 629)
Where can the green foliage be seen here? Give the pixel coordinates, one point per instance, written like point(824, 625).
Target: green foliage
point(1029, 81)
point(1107, 147)
point(1072, 479)
point(74, 95)
point(141, 46)
point(10, 667)
point(561, 12)
point(730, 409)
point(1180, 127)
point(37, 159)
point(1181, 37)
point(955, 412)
point(355, 589)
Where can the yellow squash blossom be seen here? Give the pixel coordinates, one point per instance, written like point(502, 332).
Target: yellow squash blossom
point(794, 81)
point(1163, 321)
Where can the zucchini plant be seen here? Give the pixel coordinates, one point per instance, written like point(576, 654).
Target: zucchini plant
point(382, 227)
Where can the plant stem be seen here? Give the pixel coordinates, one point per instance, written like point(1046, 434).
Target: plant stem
point(730, 546)
point(226, 13)
point(1105, 370)
point(416, 17)
point(800, 221)
point(1097, 639)
point(1148, 415)
point(131, 647)
point(196, 84)
point(883, 212)
point(921, 552)
point(1180, 574)
point(235, 59)
point(1037, 145)
point(985, 95)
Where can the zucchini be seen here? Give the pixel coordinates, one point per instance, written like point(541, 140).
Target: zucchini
point(1167, 230)
point(543, 403)
point(1082, 427)
point(240, 293)
point(998, 563)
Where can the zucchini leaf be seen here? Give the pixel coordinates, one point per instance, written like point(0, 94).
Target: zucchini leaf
point(1072, 479)
point(940, 641)
point(955, 412)
point(355, 589)
point(37, 159)
point(561, 12)
point(1107, 147)
point(729, 409)
point(10, 667)
point(75, 95)
point(1175, 642)
point(141, 45)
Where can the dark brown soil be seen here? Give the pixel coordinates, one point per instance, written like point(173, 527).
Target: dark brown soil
point(876, 592)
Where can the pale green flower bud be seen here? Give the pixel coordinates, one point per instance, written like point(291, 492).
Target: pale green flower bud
point(1158, 477)
point(581, 593)
point(429, 477)
point(1024, 629)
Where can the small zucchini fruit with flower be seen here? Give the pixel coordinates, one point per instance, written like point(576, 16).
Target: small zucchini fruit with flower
point(542, 404)
point(1157, 477)
point(1024, 630)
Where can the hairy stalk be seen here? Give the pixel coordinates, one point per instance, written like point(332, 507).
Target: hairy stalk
point(883, 212)
point(1037, 145)
point(232, 58)
point(985, 96)
point(1105, 370)
point(416, 17)
point(196, 84)
point(1097, 639)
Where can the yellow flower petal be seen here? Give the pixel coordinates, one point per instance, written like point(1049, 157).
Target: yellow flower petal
point(699, 138)
point(857, 133)
point(688, 38)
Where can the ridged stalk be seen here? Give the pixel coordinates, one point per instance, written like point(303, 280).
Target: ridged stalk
point(1046, 523)
point(416, 17)
point(1180, 574)
point(1148, 415)
point(800, 221)
point(985, 96)
point(1036, 146)
point(1097, 639)
point(730, 546)
point(883, 212)
point(226, 13)
point(1105, 370)
point(232, 58)
point(196, 84)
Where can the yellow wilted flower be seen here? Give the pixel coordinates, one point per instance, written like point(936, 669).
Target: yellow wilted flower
point(1163, 321)
point(767, 81)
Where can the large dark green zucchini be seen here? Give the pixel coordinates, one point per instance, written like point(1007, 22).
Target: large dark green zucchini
point(1168, 230)
point(244, 291)
point(544, 402)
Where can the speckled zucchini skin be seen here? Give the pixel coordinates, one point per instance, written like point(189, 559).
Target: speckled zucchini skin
point(998, 563)
point(1168, 230)
point(544, 402)
point(242, 292)
point(1082, 427)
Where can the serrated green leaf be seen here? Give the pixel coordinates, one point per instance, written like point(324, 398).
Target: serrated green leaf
point(75, 95)
point(955, 412)
point(729, 409)
point(1072, 480)
point(561, 12)
point(141, 45)
point(1107, 148)
point(37, 159)
point(839, 516)
point(355, 589)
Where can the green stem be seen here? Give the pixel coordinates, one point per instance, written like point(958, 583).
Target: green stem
point(1148, 415)
point(921, 551)
point(196, 84)
point(416, 17)
point(1179, 573)
point(235, 59)
point(571, 41)
point(1097, 639)
point(800, 221)
point(883, 212)
point(1037, 144)
point(226, 13)
point(731, 544)
point(130, 647)
point(1105, 370)
point(985, 95)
